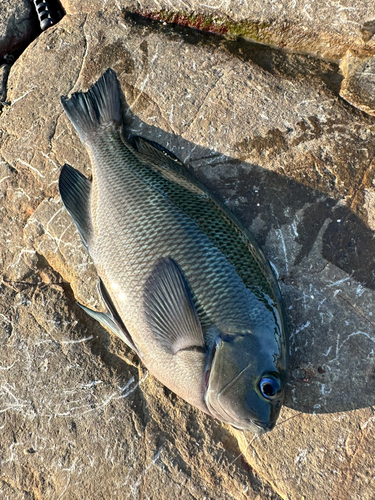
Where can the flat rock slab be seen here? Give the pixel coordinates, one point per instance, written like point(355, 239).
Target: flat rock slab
point(324, 27)
point(296, 165)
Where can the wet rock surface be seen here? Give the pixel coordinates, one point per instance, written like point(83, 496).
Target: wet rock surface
point(268, 133)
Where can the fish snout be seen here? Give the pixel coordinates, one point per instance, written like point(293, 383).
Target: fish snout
point(264, 426)
point(256, 426)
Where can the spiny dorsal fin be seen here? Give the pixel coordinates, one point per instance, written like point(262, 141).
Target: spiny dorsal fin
point(75, 192)
point(170, 311)
point(167, 164)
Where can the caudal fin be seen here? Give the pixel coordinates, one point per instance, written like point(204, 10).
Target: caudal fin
point(99, 106)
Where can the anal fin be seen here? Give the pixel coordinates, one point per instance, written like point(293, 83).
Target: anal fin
point(125, 335)
point(107, 321)
point(110, 320)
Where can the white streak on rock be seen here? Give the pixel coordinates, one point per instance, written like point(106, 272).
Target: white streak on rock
point(53, 163)
point(32, 168)
point(77, 341)
point(135, 487)
point(303, 327)
point(7, 367)
point(328, 351)
point(338, 282)
point(141, 89)
point(301, 457)
point(281, 237)
point(22, 96)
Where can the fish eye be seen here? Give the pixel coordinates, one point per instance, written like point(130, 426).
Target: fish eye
point(270, 387)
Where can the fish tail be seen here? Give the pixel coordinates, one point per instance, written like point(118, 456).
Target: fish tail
point(100, 106)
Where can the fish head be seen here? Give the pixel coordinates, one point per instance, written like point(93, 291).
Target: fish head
point(245, 381)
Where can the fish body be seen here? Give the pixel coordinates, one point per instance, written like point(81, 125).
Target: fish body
point(186, 285)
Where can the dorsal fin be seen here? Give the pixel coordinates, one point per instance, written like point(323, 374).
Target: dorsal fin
point(75, 192)
point(167, 164)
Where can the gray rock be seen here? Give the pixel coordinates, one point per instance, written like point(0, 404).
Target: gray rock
point(18, 26)
point(270, 136)
point(323, 27)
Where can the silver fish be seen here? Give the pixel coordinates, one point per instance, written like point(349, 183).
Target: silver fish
point(186, 285)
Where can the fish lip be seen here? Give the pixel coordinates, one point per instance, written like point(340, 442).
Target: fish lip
point(264, 427)
point(255, 426)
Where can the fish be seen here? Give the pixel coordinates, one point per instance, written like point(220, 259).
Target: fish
point(185, 284)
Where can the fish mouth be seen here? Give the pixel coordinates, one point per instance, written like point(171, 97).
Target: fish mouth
point(256, 426)
point(252, 425)
point(218, 411)
point(248, 424)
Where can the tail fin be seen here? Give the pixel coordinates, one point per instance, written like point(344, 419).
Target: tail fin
point(98, 106)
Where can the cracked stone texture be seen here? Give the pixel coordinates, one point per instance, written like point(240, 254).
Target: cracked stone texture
point(267, 132)
point(323, 27)
point(358, 86)
point(18, 26)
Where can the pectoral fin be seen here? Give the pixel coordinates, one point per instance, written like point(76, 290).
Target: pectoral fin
point(170, 310)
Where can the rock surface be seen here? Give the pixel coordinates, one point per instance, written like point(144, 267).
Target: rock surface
point(18, 26)
point(324, 27)
point(359, 83)
point(267, 132)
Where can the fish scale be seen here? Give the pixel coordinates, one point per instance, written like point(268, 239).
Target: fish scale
point(130, 221)
point(186, 285)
